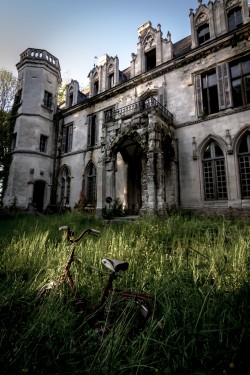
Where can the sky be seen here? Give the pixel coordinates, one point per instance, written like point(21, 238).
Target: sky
point(77, 31)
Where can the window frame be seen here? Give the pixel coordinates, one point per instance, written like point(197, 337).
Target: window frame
point(91, 186)
point(245, 158)
point(47, 99)
point(214, 174)
point(67, 138)
point(232, 12)
point(43, 145)
point(92, 131)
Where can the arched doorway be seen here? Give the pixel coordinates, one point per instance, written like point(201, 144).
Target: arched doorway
point(131, 153)
point(38, 194)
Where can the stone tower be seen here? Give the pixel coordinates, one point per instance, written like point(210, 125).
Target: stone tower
point(33, 143)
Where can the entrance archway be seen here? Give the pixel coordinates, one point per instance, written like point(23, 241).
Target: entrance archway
point(38, 194)
point(131, 153)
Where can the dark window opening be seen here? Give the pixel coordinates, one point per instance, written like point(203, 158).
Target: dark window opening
point(240, 80)
point(96, 87)
point(67, 138)
point(214, 172)
point(92, 131)
point(203, 33)
point(47, 101)
point(109, 115)
point(18, 96)
point(91, 185)
point(234, 18)
point(13, 141)
point(43, 143)
point(70, 100)
point(244, 166)
point(210, 92)
point(111, 80)
point(150, 59)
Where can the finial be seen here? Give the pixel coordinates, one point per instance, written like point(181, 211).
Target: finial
point(200, 2)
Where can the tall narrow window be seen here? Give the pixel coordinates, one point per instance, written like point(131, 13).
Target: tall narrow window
point(47, 100)
point(234, 18)
point(240, 80)
point(67, 138)
point(91, 185)
point(203, 33)
point(92, 131)
point(110, 80)
point(65, 186)
point(244, 166)
point(150, 59)
point(43, 143)
point(210, 92)
point(215, 185)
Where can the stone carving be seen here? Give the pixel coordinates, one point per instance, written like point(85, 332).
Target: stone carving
point(232, 2)
point(149, 41)
point(202, 18)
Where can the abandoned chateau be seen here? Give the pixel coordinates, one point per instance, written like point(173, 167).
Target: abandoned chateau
point(170, 131)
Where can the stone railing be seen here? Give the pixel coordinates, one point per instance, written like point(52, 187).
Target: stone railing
point(39, 54)
point(137, 107)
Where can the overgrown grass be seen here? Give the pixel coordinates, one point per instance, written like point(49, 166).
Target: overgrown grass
point(196, 269)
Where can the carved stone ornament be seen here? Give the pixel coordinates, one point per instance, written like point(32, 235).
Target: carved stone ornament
point(202, 18)
point(230, 3)
point(149, 41)
point(111, 68)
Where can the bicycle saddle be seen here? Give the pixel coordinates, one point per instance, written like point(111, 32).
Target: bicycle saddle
point(115, 265)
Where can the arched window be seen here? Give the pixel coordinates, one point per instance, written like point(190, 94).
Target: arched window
point(203, 33)
point(214, 173)
point(91, 185)
point(234, 18)
point(65, 185)
point(244, 166)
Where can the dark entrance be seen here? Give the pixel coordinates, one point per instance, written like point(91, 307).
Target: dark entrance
point(131, 153)
point(38, 195)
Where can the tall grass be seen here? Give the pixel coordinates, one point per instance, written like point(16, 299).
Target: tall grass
point(197, 270)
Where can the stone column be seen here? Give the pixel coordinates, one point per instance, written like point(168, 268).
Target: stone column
point(110, 188)
point(151, 172)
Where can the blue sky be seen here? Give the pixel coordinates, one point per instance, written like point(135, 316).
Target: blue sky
point(75, 31)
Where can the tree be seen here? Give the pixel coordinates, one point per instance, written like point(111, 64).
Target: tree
point(8, 85)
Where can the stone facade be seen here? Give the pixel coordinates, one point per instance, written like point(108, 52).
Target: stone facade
point(172, 130)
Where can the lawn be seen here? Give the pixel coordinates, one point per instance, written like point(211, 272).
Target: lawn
point(197, 271)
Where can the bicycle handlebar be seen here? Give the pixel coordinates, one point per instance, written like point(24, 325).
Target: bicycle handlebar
point(70, 233)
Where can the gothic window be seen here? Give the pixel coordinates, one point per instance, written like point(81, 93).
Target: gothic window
point(150, 57)
point(43, 143)
point(214, 173)
point(240, 80)
point(67, 138)
point(244, 166)
point(91, 185)
point(234, 18)
point(92, 131)
point(47, 100)
point(65, 185)
point(203, 33)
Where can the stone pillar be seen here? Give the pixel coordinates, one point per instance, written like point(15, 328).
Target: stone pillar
point(160, 181)
point(211, 20)
point(110, 188)
point(151, 172)
point(158, 45)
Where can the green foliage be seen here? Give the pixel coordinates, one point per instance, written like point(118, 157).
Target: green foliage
point(115, 209)
point(196, 269)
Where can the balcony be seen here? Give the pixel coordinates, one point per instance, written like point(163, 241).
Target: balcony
point(139, 107)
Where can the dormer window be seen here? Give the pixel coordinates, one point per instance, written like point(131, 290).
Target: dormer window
point(234, 18)
point(203, 33)
point(150, 57)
